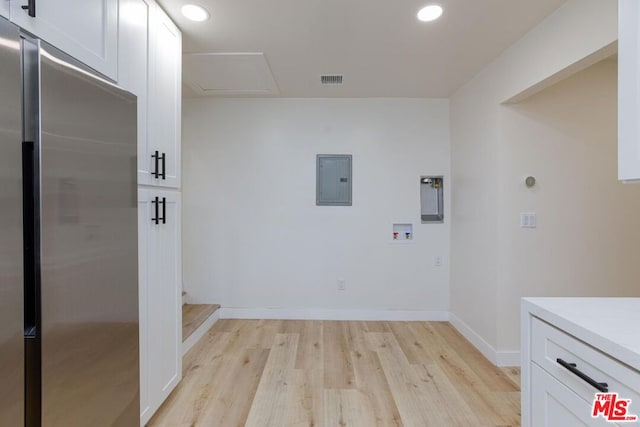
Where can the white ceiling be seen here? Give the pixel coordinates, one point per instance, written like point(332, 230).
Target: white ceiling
point(378, 45)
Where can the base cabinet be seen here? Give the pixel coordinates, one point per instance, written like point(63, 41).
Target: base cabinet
point(160, 297)
point(577, 350)
point(554, 404)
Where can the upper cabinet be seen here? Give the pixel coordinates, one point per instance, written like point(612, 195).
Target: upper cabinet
point(86, 30)
point(4, 8)
point(165, 92)
point(629, 91)
point(150, 68)
point(133, 67)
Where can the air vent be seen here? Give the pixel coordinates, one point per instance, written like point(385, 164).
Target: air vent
point(331, 79)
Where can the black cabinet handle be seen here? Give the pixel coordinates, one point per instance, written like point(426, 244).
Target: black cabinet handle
point(156, 158)
point(156, 206)
point(156, 203)
point(603, 387)
point(30, 8)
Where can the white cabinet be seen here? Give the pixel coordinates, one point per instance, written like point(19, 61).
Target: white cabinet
point(160, 297)
point(133, 65)
point(4, 8)
point(574, 349)
point(554, 404)
point(86, 30)
point(629, 90)
point(165, 93)
point(149, 62)
point(150, 67)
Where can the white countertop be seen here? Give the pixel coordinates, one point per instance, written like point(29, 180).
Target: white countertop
point(612, 325)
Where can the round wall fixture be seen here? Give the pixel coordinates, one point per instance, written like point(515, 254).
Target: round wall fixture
point(530, 181)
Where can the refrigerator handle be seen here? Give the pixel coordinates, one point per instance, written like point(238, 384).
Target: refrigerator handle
point(29, 237)
point(156, 203)
point(30, 7)
point(164, 165)
point(156, 157)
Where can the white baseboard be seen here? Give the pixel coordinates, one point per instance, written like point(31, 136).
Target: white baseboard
point(498, 358)
point(200, 332)
point(324, 314)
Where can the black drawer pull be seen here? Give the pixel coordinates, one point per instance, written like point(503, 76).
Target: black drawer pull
point(30, 8)
point(603, 387)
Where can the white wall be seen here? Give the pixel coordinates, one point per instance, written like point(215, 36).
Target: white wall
point(587, 240)
point(252, 235)
point(494, 146)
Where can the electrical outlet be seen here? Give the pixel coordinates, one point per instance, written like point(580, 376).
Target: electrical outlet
point(342, 285)
point(437, 261)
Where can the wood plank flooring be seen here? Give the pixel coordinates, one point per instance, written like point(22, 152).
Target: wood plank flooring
point(194, 315)
point(262, 373)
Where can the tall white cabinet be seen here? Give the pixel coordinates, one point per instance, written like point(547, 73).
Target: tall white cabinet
point(86, 30)
point(150, 67)
point(629, 91)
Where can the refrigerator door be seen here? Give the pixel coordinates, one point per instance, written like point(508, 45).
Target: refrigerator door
point(11, 266)
point(89, 249)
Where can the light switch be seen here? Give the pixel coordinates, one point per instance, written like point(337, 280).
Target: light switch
point(528, 220)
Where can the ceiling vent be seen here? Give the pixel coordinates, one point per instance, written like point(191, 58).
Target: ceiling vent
point(331, 79)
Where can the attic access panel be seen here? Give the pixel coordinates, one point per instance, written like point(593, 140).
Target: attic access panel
point(333, 180)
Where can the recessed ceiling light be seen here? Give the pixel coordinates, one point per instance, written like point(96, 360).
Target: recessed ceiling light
point(430, 13)
point(195, 13)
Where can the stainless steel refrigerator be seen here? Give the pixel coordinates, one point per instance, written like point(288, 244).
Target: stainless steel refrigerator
point(68, 241)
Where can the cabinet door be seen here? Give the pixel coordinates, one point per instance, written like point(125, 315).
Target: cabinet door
point(133, 66)
point(628, 91)
point(162, 296)
point(165, 60)
point(555, 405)
point(4, 8)
point(144, 231)
point(86, 30)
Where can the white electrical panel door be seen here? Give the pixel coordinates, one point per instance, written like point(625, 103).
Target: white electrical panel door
point(333, 180)
point(86, 30)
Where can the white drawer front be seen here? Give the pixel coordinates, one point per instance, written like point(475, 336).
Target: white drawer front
point(550, 344)
point(554, 405)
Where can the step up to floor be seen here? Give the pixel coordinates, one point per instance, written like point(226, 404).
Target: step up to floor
point(196, 321)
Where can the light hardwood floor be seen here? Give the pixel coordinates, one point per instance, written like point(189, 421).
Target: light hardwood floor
point(277, 373)
point(194, 315)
